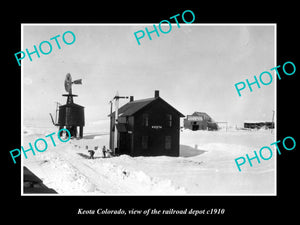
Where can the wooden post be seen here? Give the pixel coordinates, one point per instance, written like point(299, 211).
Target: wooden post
point(60, 127)
point(81, 132)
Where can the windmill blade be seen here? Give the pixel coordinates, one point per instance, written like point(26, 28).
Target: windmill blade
point(68, 83)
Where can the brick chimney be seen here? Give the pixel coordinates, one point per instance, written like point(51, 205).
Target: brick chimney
point(156, 94)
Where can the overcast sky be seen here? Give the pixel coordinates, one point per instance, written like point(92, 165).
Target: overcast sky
point(194, 67)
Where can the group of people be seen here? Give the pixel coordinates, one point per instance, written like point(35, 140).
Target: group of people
point(106, 152)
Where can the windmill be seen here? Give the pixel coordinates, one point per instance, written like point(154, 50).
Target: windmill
point(68, 87)
point(70, 115)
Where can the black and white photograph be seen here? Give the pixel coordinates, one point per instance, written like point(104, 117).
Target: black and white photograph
point(141, 111)
point(149, 109)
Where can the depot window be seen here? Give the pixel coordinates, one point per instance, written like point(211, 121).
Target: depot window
point(144, 142)
point(168, 142)
point(145, 120)
point(169, 120)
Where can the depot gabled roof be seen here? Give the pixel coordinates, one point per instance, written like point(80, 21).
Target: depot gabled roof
point(131, 108)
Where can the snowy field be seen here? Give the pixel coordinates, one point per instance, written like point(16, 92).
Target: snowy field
point(206, 165)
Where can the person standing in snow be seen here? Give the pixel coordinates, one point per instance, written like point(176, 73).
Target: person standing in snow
point(104, 151)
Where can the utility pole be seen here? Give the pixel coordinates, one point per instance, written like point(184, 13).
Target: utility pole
point(111, 143)
point(273, 121)
point(116, 122)
point(115, 139)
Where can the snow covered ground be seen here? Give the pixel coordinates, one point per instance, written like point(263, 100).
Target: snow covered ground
point(206, 165)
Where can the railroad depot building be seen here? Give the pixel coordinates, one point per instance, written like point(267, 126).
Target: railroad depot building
point(199, 121)
point(146, 127)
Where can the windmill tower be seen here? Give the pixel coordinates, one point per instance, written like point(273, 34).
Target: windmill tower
point(71, 115)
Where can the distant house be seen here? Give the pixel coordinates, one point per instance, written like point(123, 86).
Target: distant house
point(199, 121)
point(147, 127)
point(258, 124)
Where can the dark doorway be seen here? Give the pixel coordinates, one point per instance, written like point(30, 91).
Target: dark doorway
point(125, 143)
point(195, 127)
point(156, 143)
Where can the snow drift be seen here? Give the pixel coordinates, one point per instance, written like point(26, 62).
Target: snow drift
point(205, 167)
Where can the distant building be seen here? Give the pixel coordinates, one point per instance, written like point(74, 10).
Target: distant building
point(258, 125)
point(147, 127)
point(199, 121)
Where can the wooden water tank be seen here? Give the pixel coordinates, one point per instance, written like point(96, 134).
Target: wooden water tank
point(71, 115)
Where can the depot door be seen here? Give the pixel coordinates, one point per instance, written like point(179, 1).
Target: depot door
point(125, 143)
